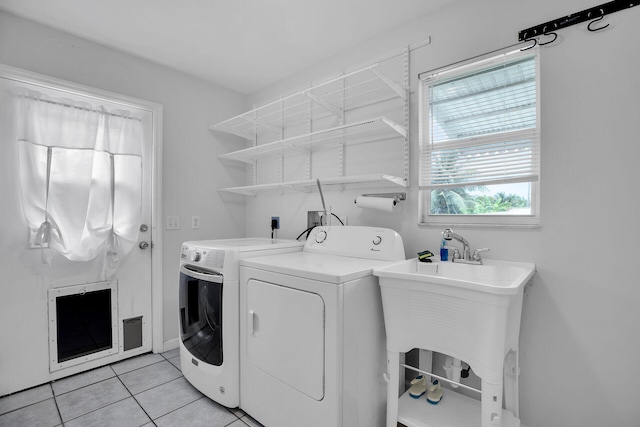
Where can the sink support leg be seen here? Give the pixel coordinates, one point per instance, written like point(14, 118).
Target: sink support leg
point(491, 404)
point(511, 386)
point(393, 384)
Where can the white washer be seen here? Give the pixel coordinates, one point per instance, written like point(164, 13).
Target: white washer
point(209, 324)
point(312, 338)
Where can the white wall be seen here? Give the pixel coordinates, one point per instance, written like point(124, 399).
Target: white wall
point(579, 338)
point(191, 171)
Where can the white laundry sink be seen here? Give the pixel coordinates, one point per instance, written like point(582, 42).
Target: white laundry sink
point(494, 277)
point(470, 312)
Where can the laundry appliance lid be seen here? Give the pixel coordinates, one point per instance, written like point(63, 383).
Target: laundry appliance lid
point(245, 244)
point(333, 269)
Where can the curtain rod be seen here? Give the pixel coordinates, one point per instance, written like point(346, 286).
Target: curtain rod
point(81, 108)
point(456, 64)
point(62, 147)
point(591, 14)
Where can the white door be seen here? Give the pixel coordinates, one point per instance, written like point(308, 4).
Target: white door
point(30, 271)
point(285, 336)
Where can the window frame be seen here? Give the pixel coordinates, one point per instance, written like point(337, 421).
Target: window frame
point(425, 217)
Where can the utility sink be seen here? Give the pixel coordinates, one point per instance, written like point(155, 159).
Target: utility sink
point(494, 277)
point(468, 311)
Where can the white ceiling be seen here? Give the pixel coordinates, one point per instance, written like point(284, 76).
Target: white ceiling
point(243, 45)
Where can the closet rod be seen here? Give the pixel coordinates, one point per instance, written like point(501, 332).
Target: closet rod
point(590, 14)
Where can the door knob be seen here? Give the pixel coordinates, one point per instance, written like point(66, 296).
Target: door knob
point(143, 245)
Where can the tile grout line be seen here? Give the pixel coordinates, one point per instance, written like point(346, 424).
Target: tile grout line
point(201, 397)
point(93, 410)
point(98, 382)
point(115, 374)
point(235, 421)
point(26, 406)
point(96, 409)
point(80, 388)
point(136, 400)
point(55, 396)
point(140, 367)
point(186, 404)
point(157, 385)
point(55, 402)
point(30, 404)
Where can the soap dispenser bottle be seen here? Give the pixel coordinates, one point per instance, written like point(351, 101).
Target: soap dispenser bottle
point(444, 251)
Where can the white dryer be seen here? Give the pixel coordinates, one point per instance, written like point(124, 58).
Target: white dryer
point(313, 346)
point(209, 304)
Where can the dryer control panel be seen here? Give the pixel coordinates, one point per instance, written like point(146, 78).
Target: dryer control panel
point(212, 259)
point(356, 242)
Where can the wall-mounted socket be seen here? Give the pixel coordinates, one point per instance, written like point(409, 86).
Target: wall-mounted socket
point(275, 222)
point(314, 218)
point(173, 223)
point(195, 222)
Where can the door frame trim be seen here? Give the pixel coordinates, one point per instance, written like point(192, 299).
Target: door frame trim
point(156, 110)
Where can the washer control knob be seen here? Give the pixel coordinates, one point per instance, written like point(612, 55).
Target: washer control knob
point(377, 240)
point(194, 256)
point(321, 236)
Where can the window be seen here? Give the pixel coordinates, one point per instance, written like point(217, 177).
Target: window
point(479, 142)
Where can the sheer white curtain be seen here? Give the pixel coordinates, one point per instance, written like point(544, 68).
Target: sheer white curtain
point(81, 177)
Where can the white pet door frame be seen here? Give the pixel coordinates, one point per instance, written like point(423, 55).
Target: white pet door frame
point(87, 354)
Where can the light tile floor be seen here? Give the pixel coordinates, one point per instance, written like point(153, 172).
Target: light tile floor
point(147, 390)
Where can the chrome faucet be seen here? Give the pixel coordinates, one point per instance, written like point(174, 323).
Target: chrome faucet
point(466, 256)
point(449, 235)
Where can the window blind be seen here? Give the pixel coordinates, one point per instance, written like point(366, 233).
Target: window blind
point(482, 124)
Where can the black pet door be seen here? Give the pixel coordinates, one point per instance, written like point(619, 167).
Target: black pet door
point(82, 323)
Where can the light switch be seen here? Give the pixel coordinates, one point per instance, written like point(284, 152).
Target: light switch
point(173, 223)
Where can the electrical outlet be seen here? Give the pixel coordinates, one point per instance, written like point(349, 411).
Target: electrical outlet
point(195, 222)
point(277, 222)
point(314, 218)
point(173, 223)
